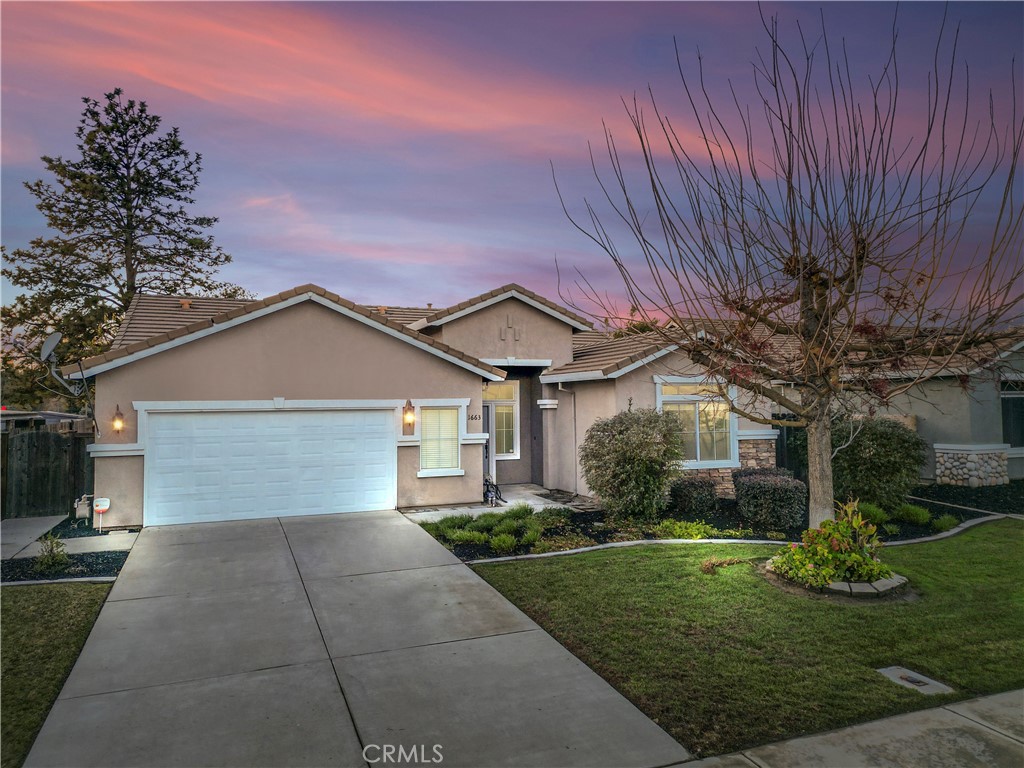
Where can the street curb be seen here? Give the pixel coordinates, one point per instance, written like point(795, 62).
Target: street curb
point(83, 580)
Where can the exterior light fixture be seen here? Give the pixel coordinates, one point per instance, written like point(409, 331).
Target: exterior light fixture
point(408, 418)
point(118, 419)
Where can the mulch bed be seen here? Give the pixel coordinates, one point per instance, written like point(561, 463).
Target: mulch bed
point(725, 518)
point(993, 498)
point(90, 564)
point(75, 529)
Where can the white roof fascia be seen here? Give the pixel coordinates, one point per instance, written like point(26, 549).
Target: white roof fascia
point(559, 378)
point(499, 298)
point(264, 311)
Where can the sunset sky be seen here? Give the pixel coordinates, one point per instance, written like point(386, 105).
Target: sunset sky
point(401, 153)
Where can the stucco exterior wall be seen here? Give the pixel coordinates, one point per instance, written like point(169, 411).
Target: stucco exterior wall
point(304, 352)
point(509, 328)
point(120, 479)
point(947, 413)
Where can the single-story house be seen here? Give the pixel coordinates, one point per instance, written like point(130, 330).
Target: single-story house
point(305, 403)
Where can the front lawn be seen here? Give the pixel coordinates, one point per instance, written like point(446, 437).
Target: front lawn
point(42, 633)
point(727, 660)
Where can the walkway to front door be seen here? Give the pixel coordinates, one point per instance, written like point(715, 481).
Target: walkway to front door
point(328, 640)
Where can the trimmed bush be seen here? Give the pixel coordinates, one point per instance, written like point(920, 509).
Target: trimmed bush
point(760, 471)
point(873, 513)
point(771, 501)
point(692, 496)
point(912, 514)
point(452, 522)
point(629, 459)
point(510, 525)
point(944, 523)
point(52, 559)
point(880, 465)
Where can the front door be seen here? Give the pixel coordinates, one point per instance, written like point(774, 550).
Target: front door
point(490, 463)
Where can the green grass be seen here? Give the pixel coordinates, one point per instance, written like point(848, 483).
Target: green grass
point(727, 660)
point(42, 633)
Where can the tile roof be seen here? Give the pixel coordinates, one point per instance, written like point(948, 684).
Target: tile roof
point(150, 315)
point(582, 339)
point(205, 319)
point(441, 314)
point(611, 354)
point(403, 315)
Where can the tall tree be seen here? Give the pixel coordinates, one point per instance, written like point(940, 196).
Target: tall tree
point(815, 248)
point(123, 226)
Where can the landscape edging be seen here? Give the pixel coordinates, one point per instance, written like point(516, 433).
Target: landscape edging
point(616, 544)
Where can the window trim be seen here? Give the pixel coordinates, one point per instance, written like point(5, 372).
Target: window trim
point(517, 453)
point(457, 470)
point(734, 443)
point(1014, 451)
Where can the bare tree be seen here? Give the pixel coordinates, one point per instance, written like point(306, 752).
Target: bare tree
point(814, 248)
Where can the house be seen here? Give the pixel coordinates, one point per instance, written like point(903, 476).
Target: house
point(305, 402)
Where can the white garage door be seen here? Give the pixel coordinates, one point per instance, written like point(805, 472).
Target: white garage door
point(202, 467)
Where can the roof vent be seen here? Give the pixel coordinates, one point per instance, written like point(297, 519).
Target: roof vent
point(382, 310)
point(186, 303)
point(429, 305)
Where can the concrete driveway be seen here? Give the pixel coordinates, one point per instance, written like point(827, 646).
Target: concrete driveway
point(331, 640)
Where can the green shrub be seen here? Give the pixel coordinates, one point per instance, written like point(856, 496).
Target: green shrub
point(518, 511)
point(684, 529)
point(881, 464)
point(944, 523)
point(503, 543)
point(510, 525)
point(775, 535)
point(692, 496)
point(530, 538)
point(873, 513)
point(466, 536)
point(891, 529)
point(629, 459)
point(452, 522)
point(736, 533)
point(552, 517)
point(52, 558)
point(844, 549)
point(485, 522)
point(771, 501)
point(913, 514)
point(759, 472)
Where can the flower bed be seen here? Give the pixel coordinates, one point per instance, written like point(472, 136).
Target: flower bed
point(84, 565)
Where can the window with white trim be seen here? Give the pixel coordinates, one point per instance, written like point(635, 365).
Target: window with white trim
point(1012, 397)
point(439, 438)
point(503, 398)
point(707, 426)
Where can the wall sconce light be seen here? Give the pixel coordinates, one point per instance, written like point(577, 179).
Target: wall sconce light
point(408, 418)
point(118, 419)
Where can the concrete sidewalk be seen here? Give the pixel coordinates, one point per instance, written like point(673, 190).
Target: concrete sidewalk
point(987, 732)
point(512, 494)
point(325, 641)
point(17, 533)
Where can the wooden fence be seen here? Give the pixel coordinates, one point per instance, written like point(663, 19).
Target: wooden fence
point(44, 471)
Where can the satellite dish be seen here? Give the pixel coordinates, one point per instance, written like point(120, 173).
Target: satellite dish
point(49, 346)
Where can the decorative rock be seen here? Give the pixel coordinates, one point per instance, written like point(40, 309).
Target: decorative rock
point(974, 468)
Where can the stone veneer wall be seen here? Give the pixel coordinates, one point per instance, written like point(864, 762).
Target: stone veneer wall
point(971, 466)
point(753, 453)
